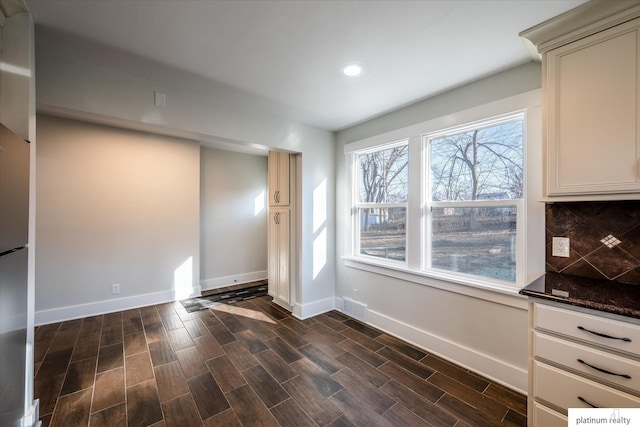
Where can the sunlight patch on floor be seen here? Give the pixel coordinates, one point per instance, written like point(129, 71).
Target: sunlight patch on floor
point(244, 312)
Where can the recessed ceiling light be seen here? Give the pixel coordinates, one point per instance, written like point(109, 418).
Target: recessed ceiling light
point(352, 70)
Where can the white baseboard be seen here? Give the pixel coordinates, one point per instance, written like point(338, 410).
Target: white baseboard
point(304, 311)
point(221, 282)
point(44, 317)
point(499, 371)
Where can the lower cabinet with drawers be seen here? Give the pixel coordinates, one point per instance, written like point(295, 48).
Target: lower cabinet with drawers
point(580, 359)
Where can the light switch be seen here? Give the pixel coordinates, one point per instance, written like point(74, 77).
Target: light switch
point(560, 247)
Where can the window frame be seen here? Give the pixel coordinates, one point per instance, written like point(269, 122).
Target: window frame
point(531, 256)
point(428, 204)
point(356, 205)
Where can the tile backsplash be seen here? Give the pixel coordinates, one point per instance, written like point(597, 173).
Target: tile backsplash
point(604, 239)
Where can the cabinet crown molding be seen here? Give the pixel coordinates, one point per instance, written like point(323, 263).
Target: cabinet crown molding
point(9, 7)
point(580, 22)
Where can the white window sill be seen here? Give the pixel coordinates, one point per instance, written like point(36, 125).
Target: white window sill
point(493, 292)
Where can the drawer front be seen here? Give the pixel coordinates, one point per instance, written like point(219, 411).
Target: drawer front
point(545, 417)
point(593, 329)
point(619, 370)
point(567, 390)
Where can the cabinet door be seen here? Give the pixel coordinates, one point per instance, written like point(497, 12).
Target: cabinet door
point(600, 365)
point(14, 190)
point(278, 166)
point(279, 254)
point(273, 254)
point(566, 390)
point(593, 116)
point(590, 329)
point(545, 417)
point(283, 291)
point(13, 336)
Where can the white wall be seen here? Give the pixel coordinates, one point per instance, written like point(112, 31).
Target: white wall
point(233, 218)
point(94, 83)
point(486, 336)
point(114, 206)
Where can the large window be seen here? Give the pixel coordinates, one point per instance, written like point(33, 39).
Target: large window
point(475, 187)
point(381, 208)
point(449, 202)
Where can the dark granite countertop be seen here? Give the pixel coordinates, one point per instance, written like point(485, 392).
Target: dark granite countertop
point(603, 295)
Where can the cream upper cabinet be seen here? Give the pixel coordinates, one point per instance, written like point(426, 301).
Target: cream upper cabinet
point(593, 115)
point(279, 178)
point(591, 101)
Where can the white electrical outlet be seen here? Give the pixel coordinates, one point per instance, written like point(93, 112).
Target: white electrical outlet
point(115, 289)
point(560, 247)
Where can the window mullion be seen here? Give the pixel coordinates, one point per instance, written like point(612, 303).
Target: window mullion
point(381, 205)
point(414, 222)
point(475, 203)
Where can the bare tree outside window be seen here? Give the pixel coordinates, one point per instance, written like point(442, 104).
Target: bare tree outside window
point(479, 164)
point(383, 193)
point(473, 168)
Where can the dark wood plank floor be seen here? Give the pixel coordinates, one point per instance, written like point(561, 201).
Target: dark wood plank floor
point(252, 364)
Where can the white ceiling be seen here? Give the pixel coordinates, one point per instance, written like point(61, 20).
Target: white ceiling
point(292, 51)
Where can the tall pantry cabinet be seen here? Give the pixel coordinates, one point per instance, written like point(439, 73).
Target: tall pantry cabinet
point(281, 231)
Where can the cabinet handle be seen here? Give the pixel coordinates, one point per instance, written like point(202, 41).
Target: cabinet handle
point(582, 399)
point(604, 335)
point(276, 196)
point(276, 218)
point(604, 370)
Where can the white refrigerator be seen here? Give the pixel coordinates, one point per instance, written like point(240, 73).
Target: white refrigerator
point(14, 223)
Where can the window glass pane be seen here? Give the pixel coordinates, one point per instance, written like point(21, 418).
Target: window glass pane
point(382, 232)
point(383, 175)
point(478, 241)
point(479, 164)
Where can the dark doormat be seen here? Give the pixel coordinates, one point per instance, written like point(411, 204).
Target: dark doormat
point(228, 297)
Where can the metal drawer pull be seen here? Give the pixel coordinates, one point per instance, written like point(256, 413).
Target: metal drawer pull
point(604, 335)
point(582, 399)
point(604, 370)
